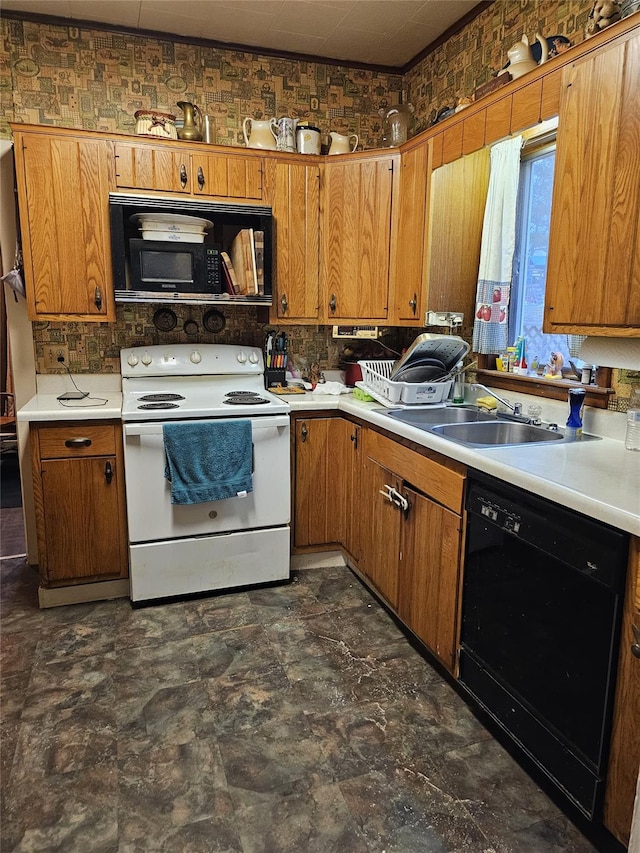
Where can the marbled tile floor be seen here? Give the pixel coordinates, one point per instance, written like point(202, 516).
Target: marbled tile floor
point(287, 719)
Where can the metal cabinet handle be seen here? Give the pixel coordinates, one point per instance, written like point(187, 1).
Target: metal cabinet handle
point(97, 298)
point(108, 473)
point(78, 442)
point(304, 432)
point(333, 303)
point(413, 303)
point(183, 175)
point(635, 646)
point(200, 177)
point(284, 303)
point(354, 439)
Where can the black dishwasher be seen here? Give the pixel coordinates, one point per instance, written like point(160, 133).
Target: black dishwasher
point(541, 611)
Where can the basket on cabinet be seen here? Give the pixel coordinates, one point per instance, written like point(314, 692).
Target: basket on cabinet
point(376, 381)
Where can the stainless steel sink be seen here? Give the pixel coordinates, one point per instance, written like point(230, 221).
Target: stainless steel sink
point(426, 418)
point(496, 433)
point(475, 428)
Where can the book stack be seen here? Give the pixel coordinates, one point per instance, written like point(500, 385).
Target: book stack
point(243, 265)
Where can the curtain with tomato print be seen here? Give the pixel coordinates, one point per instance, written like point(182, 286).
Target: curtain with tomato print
point(491, 324)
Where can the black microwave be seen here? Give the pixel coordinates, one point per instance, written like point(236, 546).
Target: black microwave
point(159, 268)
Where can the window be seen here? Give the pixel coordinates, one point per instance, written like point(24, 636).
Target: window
point(528, 282)
point(530, 260)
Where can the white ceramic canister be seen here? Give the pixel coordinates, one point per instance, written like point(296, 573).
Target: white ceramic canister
point(308, 140)
point(154, 123)
point(263, 133)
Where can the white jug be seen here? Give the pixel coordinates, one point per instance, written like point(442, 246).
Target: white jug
point(263, 134)
point(340, 144)
point(286, 139)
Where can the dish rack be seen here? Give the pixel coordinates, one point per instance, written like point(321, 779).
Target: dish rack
point(376, 381)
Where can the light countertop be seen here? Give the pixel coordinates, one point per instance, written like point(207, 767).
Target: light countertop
point(600, 479)
point(46, 407)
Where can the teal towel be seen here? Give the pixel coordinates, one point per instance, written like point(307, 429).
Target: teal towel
point(208, 460)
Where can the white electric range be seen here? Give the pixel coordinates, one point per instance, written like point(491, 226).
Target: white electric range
point(180, 549)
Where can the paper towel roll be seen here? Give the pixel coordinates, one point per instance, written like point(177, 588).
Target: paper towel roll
point(612, 352)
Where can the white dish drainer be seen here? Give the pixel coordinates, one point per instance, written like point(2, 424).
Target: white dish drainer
point(376, 382)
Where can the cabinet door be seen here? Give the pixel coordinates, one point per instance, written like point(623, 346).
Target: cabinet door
point(409, 236)
point(294, 195)
point(142, 166)
point(232, 176)
point(350, 461)
point(63, 192)
point(381, 529)
point(355, 203)
point(83, 538)
point(593, 277)
point(458, 195)
point(319, 510)
point(429, 574)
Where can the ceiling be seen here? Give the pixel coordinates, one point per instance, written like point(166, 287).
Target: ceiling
point(374, 32)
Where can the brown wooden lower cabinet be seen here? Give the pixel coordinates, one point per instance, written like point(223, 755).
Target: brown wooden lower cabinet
point(79, 497)
point(429, 574)
point(325, 476)
point(412, 551)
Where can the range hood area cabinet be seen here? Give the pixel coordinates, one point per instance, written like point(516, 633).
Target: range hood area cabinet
point(179, 167)
point(593, 277)
point(63, 181)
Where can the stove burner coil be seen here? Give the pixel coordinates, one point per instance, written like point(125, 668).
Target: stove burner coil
point(250, 400)
point(241, 394)
point(160, 405)
point(160, 398)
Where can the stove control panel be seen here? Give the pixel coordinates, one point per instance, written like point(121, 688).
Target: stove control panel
point(186, 360)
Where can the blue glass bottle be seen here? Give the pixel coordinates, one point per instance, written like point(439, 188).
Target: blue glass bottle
point(574, 421)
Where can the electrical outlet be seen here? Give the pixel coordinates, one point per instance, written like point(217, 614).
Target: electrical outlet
point(54, 351)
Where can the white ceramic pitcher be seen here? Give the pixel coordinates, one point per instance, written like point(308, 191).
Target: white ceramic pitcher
point(263, 134)
point(340, 144)
point(286, 140)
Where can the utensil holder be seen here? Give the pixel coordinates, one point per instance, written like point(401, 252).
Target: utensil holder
point(274, 377)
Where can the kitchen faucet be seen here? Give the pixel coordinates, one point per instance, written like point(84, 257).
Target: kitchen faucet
point(516, 408)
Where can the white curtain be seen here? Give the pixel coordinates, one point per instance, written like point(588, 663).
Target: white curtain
point(491, 325)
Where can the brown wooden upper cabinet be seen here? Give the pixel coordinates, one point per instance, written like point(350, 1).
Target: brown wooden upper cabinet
point(593, 274)
point(293, 191)
point(355, 237)
point(182, 168)
point(408, 237)
point(63, 182)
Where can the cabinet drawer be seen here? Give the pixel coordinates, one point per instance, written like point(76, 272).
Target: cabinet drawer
point(442, 482)
point(67, 441)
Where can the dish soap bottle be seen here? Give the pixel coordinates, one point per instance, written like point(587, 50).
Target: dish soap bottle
point(574, 421)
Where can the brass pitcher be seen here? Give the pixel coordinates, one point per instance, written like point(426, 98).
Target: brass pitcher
point(192, 127)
